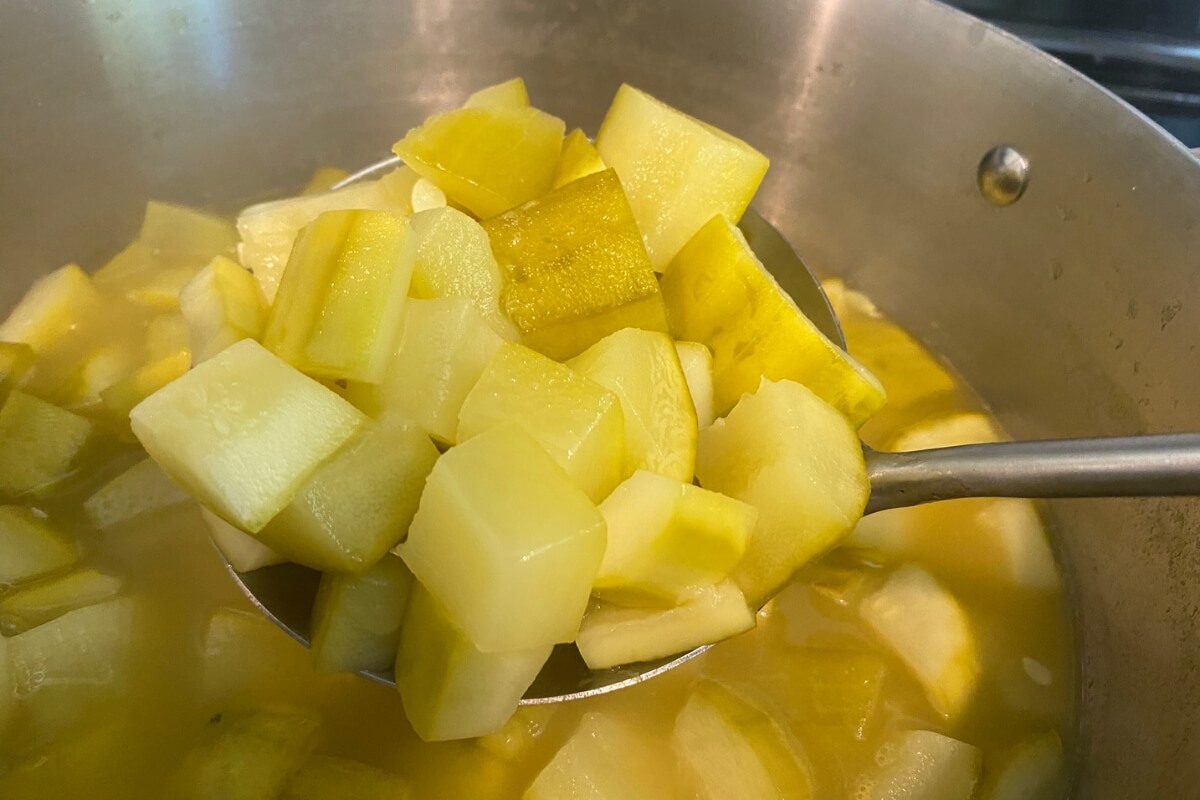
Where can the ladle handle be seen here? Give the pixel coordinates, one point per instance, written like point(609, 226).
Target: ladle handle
point(1159, 465)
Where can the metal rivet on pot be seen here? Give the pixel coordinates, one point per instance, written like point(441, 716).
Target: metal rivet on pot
point(1003, 175)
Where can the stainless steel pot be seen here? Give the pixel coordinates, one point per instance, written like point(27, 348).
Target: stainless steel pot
point(1073, 310)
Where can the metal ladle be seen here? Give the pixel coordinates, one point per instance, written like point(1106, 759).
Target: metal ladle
point(1129, 466)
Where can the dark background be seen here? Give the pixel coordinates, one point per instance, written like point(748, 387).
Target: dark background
point(1146, 51)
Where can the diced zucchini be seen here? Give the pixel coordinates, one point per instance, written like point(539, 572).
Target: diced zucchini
point(799, 462)
point(614, 635)
point(146, 278)
point(923, 765)
point(717, 292)
point(679, 172)
point(341, 300)
point(577, 421)
point(122, 396)
point(608, 757)
point(1031, 770)
point(50, 309)
point(268, 230)
point(243, 552)
point(931, 633)
point(579, 159)
point(426, 196)
point(450, 689)
point(642, 368)
point(249, 660)
point(576, 267)
point(488, 159)
point(734, 750)
point(79, 660)
point(509, 94)
point(452, 257)
point(513, 578)
point(323, 179)
point(48, 599)
point(15, 360)
point(443, 350)
point(356, 618)
point(359, 503)
point(98, 370)
point(181, 232)
point(141, 489)
point(167, 335)
point(30, 547)
point(243, 431)
point(520, 734)
point(697, 363)
point(665, 536)
point(222, 305)
point(330, 778)
point(247, 756)
point(40, 445)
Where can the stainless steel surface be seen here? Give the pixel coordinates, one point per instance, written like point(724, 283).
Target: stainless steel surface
point(1071, 311)
point(1167, 465)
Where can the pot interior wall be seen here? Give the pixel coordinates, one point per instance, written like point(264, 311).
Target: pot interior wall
point(1071, 311)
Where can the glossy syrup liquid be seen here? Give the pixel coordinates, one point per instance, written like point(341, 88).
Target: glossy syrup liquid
point(198, 651)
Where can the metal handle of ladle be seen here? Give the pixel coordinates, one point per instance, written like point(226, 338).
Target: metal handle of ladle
point(1159, 465)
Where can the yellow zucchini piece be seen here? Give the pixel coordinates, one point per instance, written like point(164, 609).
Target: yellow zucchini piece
point(243, 431)
point(243, 552)
point(1031, 770)
point(578, 422)
point(719, 293)
point(444, 348)
point(166, 335)
point(579, 158)
point(341, 300)
point(608, 757)
point(356, 618)
point(510, 579)
point(426, 196)
point(122, 396)
point(642, 368)
point(697, 363)
point(15, 360)
point(78, 661)
point(931, 633)
point(799, 462)
point(679, 172)
point(452, 257)
point(222, 305)
point(576, 267)
point(51, 309)
point(40, 445)
point(520, 734)
point(358, 504)
point(323, 179)
point(269, 230)
point(450, 689)
point(509, 94)
point(330, 778)
point(923, 765)
point(666, 536)
point(30, 547)
point(614, 635)
point(734, 750)
point(141, 489)
point(181, 232)
point(487, 159)
point(50, 598)
point(248, 755)
point(248, 660)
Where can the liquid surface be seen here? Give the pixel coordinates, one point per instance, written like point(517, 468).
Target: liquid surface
point(197, 653)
